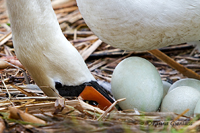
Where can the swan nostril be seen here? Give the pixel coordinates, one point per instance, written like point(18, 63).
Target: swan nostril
point(94, 103)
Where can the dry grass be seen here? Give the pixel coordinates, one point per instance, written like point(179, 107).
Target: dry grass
point(101, 60)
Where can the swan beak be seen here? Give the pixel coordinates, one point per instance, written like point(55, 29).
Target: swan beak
point(91, 94)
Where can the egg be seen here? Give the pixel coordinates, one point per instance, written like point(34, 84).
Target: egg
point(166, 86)
point(180, 99)
point(137, 80)
point(194, 83)
point(197, 108)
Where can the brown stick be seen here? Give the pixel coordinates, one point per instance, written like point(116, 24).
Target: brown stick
point(91, 49)
point(5, 38)
point(18, 114)
point(185, 71)
point(2, 126)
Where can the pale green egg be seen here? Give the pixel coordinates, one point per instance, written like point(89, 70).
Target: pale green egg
point(166, 86)
point(137, 80)
point(180, 99)
point(194, 83)
point(197, 108)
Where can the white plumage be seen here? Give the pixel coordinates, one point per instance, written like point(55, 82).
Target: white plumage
point(42, 48)
point(142, 24)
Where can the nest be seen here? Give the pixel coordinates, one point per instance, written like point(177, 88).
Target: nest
point(24, 107)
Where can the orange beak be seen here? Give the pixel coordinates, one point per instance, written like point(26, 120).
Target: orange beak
point(91, 94)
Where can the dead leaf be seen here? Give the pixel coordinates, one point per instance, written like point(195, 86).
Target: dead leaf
point(20, 115)
point(59, 105)
point(2, 126)
point(3, 64)
point(13, 60)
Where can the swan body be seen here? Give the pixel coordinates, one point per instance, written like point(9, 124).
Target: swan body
point(42, 48)
point(142, 24)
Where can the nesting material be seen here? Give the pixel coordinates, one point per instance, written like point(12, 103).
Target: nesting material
point(137, 80)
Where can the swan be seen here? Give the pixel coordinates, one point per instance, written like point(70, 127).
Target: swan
point(140, 25)
point(52, 61)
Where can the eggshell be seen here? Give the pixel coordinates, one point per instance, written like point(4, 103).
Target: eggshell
point(137, 80)
point(180, 99)
point(194, 83)
point(166, 86)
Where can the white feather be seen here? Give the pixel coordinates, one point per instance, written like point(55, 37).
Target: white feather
point(142, 24)
point(42, 48)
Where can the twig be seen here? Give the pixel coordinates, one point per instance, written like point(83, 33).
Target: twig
point(27, 103)
point(185, 71)
point(193, 126)
point(184, 112)
point(25, 76)
point(90, 50)
point(9, 95)
point(110, 108)
point(5, 38)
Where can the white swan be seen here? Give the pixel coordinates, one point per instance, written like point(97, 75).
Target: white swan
point(142, 24)
point(54, 64)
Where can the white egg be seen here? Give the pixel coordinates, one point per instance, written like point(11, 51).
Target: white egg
point(166, 86)
point(194, 83)
point(180, 99)
point(197, 108)
point(137, 80)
